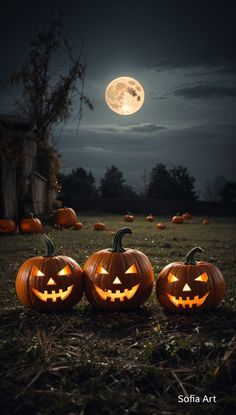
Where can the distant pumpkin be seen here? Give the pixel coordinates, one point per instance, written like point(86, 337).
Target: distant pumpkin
point(65, 217)
point(149, 218)
point(161, 225)
point(31, 225)
point(187, 216)
point(129, 217)
point(118, 279)
point(7, 226)
point(190, 286)
point(50, 282)
point(177, 219)
point(77, 226)
point(205, 221)
point(99, 226)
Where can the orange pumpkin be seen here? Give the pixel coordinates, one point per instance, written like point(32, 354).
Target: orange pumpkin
point(149, 218)
point(177, 219)
point(129, 217)
point(50, 282)
point(65, 217)
point(7, 226)
point(187, 216)
point(161, 225)
point(31, 225)
point(190, 286)
point(205, 221)
point(118, 279)
point(77, 226)
point(99, 226)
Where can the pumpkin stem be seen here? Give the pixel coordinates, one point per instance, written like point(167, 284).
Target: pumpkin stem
point(190, 255)
point(48, 245)
point(117, 243)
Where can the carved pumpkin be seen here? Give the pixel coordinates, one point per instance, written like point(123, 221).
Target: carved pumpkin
point(129, 217)
point(31, 225)
point(161, 225)
point(187, 216)
point(65, 217)
point(177, 219)
point(99, 226)
point(7, 226)
point(190, 286)
point(117, 278)
point(205, 221)
point(77, 226)
point(149, 218)
point(49, 283)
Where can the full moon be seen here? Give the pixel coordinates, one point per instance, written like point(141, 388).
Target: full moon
point(124, 95)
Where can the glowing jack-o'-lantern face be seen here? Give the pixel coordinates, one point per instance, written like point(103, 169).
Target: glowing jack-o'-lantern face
point(191, 286)
point(49, 283)
point(118, 279)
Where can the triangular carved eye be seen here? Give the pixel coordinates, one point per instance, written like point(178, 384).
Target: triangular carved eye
point(131, 270)
point(65, 271)
point(172, 278)
point(101, 270)
point(203, 277)
point(36, 272)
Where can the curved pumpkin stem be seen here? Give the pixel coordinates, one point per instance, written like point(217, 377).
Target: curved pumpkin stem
point(190, 255)
point(117, 243)
point(48, 245)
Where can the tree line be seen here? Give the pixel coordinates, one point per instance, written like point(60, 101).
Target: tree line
point(160, 183)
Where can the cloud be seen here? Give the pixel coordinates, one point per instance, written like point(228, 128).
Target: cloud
point(206, 92)
point(137, 128)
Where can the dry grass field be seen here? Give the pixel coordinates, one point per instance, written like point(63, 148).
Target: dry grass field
point(89, 362)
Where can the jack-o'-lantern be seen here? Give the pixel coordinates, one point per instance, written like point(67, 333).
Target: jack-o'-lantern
point(50, 282)
point(129, 217)
point(149, 218)
point(99, 226)
point(65, 217)
point(161, 225)
point(190, 286)
point(7, 226)
point(118, 279)
point(31, 225)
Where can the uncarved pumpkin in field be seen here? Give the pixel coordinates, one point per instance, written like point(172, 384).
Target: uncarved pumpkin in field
point(50, 282)
point(65, 217)
point(177, 219)
point(31, 225)
point(187, 216)
point(99, 226)
point(161, 225)
point(129, 217)
point(77, 226)
point(190, 286)
point(149, 218)
point(118, 279)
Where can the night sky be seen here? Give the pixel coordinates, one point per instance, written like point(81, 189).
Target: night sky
point(184, 55)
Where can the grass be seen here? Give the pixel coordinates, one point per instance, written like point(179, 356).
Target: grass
point(88, 362)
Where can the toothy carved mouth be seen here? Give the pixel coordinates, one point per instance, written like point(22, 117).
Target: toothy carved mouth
point(45, 296)
point(117, 295)
point(187, 302)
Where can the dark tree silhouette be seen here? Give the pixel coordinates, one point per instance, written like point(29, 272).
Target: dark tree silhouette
point(160, 183)
point(175, 183)
point(47, 92)
point(228, 193)
point(112, 183)
point(79, 183)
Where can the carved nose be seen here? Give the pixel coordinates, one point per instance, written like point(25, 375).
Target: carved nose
point(51, 282)
point(117, 281)
point(186, 288)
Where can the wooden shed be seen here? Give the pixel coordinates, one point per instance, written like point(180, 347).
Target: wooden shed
point(24, 186)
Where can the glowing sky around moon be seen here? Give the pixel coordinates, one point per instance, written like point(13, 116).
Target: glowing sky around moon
point(124, 95)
